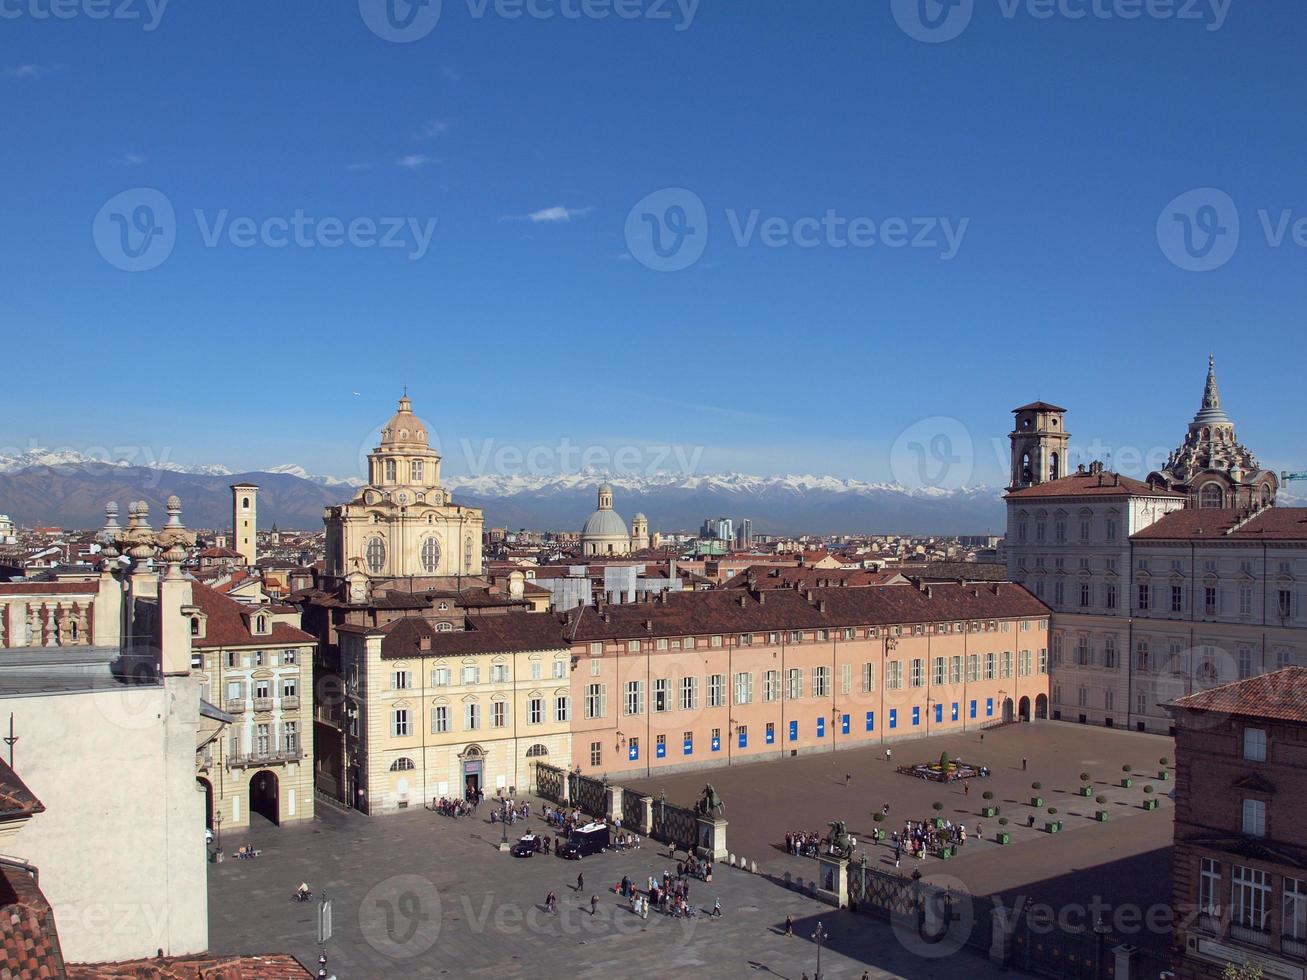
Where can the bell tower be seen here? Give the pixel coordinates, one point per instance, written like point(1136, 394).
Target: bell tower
point(1039, 445)
point(244, 521)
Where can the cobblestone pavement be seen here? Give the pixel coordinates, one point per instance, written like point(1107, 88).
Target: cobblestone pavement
point(1126, 862)
point(419, 895)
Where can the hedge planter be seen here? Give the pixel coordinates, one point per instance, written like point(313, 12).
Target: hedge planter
point(938, 822)
point(1152, 804)
point(989, 811)
point(1126, 782)
point(1086, 791)
point(945, 853)
point(1005, 838)
point(1164, 775)
point(1053, 826)
point(1101, 816)
point(1037, 801)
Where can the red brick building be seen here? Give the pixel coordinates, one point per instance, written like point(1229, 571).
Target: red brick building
point(1240, 838)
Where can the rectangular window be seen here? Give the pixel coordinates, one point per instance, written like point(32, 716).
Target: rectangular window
point(401, 680)
point(535, 711)
point(1294, 908)
point(743, 687)
point(498, 673)
point(1109, 596)
point(916, 672)
point(289, 656)
point(771, 685)
point(821, 682)
point(846, 679)
point(1084, 594)
point(560, 669)
point(1254, 744)
point(562, 708)
point(1250, 898)
point(660, 699)
point(471, 675)
point(596, 754)
point(1024, 664)
point(937, 671)
point(498, 714)
point(716, 690)
point(1245, 601)
point(1143, 597)
point(472, 716)
point(1209, 600)
point(440, 677)
point(1177, 598)
point(1285, 603)
point(894, 675)
point(594, 700)
point(1007, 663)
point(1059, 593)
point(989, 666)
point(1245, 663)
point(955, 670)
point(1209, 887)
point(1109, 652)
point(596, 667)
point(399, 722)
point(1254, 818)
point(868, 678)
point(689, 693)
point(794, 687)
point(634, 697)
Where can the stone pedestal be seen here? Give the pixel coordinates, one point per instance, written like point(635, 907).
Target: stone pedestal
point(646, 815)
point(833, 880)
point(614, 803)
point(1002, 923)
point(712, 838)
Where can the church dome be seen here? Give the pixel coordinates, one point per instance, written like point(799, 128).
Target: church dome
point(404, 428)
point(605, 524)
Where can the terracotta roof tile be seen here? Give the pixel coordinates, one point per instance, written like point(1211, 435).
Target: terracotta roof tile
point(1280, 695)
point(1225, 524)
point(1091, 485)
point(226, 623)
point(196, 968)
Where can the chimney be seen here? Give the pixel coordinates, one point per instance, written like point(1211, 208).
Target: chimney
point(821, 605)
point(648, 625)
point(930, 591)
point(762, 598)
point(424, 643)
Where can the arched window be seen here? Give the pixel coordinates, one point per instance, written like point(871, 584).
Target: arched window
point(402, 765)
point(467, 554)
point(376, 555)
point(1266, 494)
point(195, 626)
point(444, 628)
point(1026, 473)
point(430, 555)
point(245, 503)
point(1210, 495)
point(1054, 466)
point(536, 751)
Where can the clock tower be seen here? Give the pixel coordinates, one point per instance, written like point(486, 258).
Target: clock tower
point(1039, 445)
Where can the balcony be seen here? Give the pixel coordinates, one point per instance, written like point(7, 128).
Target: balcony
point(290, 702)
point(253, 760)
point(233, 706)
point(1209, 924)
point(1249, 936)
point(1293, 947)
point(329, 714)
point(263, 704)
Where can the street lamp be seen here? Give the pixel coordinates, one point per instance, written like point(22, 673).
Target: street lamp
point(819, 937)
point(1102, 930)
point(503, 819)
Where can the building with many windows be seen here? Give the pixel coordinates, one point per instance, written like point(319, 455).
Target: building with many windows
point(1240, 878)
point(256, 665)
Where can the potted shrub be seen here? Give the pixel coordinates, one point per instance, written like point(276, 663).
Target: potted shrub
point(1126, 781)
point(1053, 826)
point(1100, 814)
point(1036, 800)
point(1003, 836)
point(988, 810)
point(943, 762)
point(937, 807)
point(878, 833)
point(1151, 802)
point(1163, 774)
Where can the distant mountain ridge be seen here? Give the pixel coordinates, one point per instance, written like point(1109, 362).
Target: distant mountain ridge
point(69, 489)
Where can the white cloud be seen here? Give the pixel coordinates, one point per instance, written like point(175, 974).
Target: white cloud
point(555, 215)
point(433, 128)
point(28, 71)
point(413, 161)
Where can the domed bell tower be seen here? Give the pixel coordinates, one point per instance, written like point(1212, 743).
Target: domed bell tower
point(1039, 445)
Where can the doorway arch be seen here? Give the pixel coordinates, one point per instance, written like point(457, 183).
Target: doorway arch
point(1041, 706)
point(1023, 708)
point(265, 795)
point(1007, 710)
point(207, 787)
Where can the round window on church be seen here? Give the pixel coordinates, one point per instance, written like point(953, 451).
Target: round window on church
point(430, 555)
point(376, 556)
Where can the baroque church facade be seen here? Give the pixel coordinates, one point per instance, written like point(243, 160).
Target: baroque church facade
point(605, 534)
point(402, 524)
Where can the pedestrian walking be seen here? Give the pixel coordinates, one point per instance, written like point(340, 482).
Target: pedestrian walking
point(717, 908)
point(1023, 764)
point(789, 925)
point(580, 882)
point(966, 789)
point(847, 777)
point(887, 755)
point(594, 904)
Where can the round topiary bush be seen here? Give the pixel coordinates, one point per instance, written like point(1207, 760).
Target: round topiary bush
point(1084, 777)
point(1127, 768)
point(1002, 821)
point(1148, 789)
point(937, 807)
point(988, 794)
point(878, 816)
point(943, 761)
point(1100, 800)
point(1052, 809)
point(1036, 785)
point(1164, 761)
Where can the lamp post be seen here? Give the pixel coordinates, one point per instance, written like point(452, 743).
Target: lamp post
point(503, 820)
point(819, 937)
point(1101, 930)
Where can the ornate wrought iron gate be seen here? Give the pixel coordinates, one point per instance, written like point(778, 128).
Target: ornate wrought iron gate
point(549, 781)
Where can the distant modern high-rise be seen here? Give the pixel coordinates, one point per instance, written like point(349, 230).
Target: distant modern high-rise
point(744, 536)
point(718, 529)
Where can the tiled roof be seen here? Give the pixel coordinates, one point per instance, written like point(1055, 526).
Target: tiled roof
point(196, 968)
point(484, 634)
point(785, 577)
point(1039, 407)
point(1227, 524)
point(29, 944)
point(48, 588)
point(227, 623)
point(16, 800)
point(1280, 695)
point(1103, 484)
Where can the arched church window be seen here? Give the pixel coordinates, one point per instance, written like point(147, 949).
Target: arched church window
point(402, 765)
point(376, 555)
point(430, 555)
point(417, 471)
point(245, 503)
point(537, 750)
point(1266, 494)
point(1054, 466)
point(1210, 495)
point(467, 554)
point(444, 628)
point(1025, 468)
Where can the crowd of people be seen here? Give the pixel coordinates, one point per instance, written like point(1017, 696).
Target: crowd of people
point(923, 837)
point(512, 813)
point(803, 843)
point(448, 806)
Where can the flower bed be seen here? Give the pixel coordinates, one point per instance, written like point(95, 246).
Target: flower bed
point(936, 773)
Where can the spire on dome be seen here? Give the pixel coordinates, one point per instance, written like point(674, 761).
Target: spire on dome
point(1211, 411)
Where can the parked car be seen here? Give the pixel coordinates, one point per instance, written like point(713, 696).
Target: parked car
point(208, 835)
point(527, 846)
point(590, 839)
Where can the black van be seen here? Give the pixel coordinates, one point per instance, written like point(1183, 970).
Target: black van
point(590, 839)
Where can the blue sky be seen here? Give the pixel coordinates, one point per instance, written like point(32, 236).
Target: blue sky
point(1054, 143)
